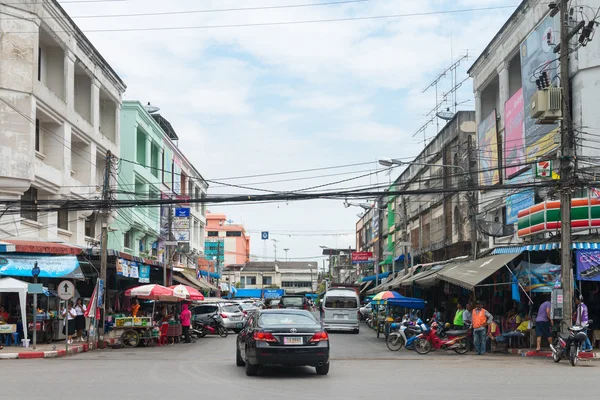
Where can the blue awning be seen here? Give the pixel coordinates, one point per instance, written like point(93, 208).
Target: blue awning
point(544, 247)
point(373, 277)
point(401, 257)
point(256, 293)
point(211, 274)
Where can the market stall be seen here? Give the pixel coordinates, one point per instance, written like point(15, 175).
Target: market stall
point(11, 285)
point(389, 302)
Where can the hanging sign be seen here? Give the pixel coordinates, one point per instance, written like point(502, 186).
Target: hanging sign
point(543, 169)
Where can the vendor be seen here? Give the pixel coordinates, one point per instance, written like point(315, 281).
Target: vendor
point(3, 315)
point(135, 308)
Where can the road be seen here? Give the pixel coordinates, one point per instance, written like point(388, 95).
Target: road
point(362, 367)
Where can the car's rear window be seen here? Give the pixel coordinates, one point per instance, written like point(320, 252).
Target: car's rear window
point(231, 309)
point(285, 319)
point(293, 301)
point(246, 306)
point(340, 302)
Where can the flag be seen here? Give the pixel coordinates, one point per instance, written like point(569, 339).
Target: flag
point(91, 308)
point(596, 192)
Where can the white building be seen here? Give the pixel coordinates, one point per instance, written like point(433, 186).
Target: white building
point(293, 276)
point(504, 77)
point(59, 115)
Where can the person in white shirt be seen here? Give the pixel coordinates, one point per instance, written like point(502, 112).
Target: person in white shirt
point(70, 315)
point(80, 319)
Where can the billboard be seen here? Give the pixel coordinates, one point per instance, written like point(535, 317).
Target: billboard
point(538, 56)
point(487, 137)
point(514, 134)
point(588, 265)
point(519, 199)
point(540, 278)
point(362, 257)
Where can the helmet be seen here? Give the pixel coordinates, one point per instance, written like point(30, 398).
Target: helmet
point(447, 325)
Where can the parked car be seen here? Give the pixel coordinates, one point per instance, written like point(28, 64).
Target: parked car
point(294, 301)
point(248, 308)
point(366, 311)
point(231, 314)
point(282, 337)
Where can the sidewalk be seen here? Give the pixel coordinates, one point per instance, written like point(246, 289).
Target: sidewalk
point(595, 355)
point(54, 350)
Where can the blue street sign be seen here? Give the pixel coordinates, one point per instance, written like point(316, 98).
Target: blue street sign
point(100, 291)
point(182, 212)
point(264, 235)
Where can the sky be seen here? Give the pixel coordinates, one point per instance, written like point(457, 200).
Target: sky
point(256, 100)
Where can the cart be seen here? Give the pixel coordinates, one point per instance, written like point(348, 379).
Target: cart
point(136, 330)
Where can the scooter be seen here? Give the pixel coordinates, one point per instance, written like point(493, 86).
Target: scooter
point(405, 334)
point(214, 327)
point(569, 345)
point(452, 340)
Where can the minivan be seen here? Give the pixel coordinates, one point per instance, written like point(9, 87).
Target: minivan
point(340, 310)
point(291, 301)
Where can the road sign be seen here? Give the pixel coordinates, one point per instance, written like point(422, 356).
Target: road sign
point(182, 212)
point(66, 290)
point(181, 223)
point(264, 235)
point(35, 288)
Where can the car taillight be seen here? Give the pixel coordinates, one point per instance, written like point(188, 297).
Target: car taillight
point(245, 312)
point(319, 337)
point(264, 337)
point(223, 316)
point(280, 305)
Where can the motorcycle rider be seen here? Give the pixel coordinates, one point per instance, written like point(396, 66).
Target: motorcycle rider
point(481, 319)
point(582, 320)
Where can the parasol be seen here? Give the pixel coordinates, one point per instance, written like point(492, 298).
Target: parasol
point(187, 292)
point(154, 292)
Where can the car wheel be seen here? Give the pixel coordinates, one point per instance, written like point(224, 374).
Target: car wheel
point(238, 357)
point(356, 331)
point(323, 369)
point(251, 369)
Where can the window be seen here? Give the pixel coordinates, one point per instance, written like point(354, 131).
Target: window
point(292, 301)
point(250, 280)
point(63, 218)
point(296, 284)
point(233, 233)
point(127, 239)
point(267, 280)
point(29, 207)
point(90, 225)
point(282, 318)
point(213, 234)
point(340, 302)
point(37, 135)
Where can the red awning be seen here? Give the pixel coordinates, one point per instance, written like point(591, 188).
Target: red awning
point(31, 246)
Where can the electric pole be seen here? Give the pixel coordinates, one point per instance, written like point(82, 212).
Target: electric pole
point(472, 203)
point(565, 166)
point(405, 234)
point(104, 240)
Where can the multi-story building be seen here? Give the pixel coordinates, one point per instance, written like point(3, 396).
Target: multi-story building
point(292, 276)
point(59, 116)
point(226, 243)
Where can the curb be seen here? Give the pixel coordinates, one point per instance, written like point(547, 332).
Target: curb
point(74, 349)
point(532, 353)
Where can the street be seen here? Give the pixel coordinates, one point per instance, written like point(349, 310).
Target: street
point(362, 367)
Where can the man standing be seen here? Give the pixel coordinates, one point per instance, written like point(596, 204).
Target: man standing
point(582, 320)
point(543, 324)
point(467, 318)
point(481, 318)
point(458, 317)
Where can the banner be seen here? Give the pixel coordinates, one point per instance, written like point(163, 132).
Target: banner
point(538, 56)
point(519, 199)
point(588, 265)
point(144, 273)
point(50, 266)
point(487, 136)
point(133, 270)
point(359, 257)
point(514, 134)
point(539, 278)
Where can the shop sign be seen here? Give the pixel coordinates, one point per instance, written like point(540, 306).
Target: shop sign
point(362, 257)
point(543, 169)
point(588, 265)
point(50, 266)
point(543, 217)
point(182, 212)
point(133, 270)
point(181, 223)
point(144, 273)
point(182, 235)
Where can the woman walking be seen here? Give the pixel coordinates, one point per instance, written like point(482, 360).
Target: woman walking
point(69, 315)
point(80, 319)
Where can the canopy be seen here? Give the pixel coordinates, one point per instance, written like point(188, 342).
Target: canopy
point(400, 258)
point(375, 277)
point(425, 275)
point(11, 285)
point(190, 275)
point(187, 291)
point(470, 274)
point(382, 297)
point(407, 302)
point(154, 292)
point(50, 266)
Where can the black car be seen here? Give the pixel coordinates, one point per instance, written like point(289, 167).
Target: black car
point(282, 337)
point(291, 301)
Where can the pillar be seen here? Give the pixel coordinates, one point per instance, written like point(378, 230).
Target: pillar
point(69, 67)
point(96, 105)
point(503, 91)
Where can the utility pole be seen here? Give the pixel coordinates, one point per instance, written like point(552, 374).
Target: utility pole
point(405, 234)
point(471, 202)
point(565, 166)
point(275, 247)
point(286, 254)
point(104, 240)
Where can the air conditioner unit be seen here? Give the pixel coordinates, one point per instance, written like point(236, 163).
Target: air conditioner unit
point(547, 104)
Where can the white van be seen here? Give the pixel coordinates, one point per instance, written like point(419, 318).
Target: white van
point(340, 310)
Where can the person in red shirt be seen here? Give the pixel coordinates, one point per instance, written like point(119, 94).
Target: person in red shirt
point(3, 314)
point(186, 318)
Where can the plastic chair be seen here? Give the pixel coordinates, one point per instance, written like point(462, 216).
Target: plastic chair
point(16, 337)
point(163, 338)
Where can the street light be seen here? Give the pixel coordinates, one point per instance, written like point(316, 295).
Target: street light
point(35, 272)
point(390, 162)
point(286, 256)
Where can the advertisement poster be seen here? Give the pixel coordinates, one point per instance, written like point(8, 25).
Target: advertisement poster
point(514, 134)
point(588, 265)
point(519, 199)
point(538, 56)
point(182, 235)
point(538, 278)
point(487, 136)
point(50, 266)
point(133, 270)
point(144, 271)
point(362, 257)
point(176, 177)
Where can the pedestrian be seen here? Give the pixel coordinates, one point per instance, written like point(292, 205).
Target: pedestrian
point(458, 317)
point(186, 317)
point(481, 318)
point(583, 320)
point(467, 316)
point(543, 324)
point(437, 315)
point(80, 318)
point(69, 315)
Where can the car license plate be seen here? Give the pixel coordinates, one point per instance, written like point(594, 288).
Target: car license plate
point(292, 340)
point(235, 318)
point(340, 316)
point(239, 325)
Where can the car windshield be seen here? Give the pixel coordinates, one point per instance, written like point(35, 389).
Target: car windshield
point(246, 306)
point(231, 309)
point(286, 319)
point(340, 302)
point(292, 301)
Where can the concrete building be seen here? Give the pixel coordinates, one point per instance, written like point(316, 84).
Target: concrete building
point(225, 242)
point(292, 276)
point(59, 116)
point(503, 82)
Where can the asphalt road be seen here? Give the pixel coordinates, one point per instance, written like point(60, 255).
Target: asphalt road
point(362, 367)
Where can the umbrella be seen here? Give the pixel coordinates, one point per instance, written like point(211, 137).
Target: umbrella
point(187, 292)
point(154, 292)
point(382, 297)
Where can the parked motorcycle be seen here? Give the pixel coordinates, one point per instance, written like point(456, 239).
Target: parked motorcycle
point(213, 327)
point(404, 334)
point(45, 330)
point(569, 345)
point(440, 338)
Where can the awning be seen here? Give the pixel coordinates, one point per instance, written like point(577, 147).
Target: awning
point(400, 258)
point(32, 246)
point(375, 277)
point(190, 275)
point(469, 274)
point(211, 274)
point(7, 247)
point(183, 281)
point(388, 261)
point(431, 272)
point(366, 286)
point(50, 266)
point(545, 247)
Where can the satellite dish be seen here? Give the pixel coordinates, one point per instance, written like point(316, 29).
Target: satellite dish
point(151, 109)
point(445, 115)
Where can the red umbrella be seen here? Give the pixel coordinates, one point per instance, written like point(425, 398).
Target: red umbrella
point(154, 292)
point(189, 292)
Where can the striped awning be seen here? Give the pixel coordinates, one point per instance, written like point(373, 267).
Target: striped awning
point(544, 247)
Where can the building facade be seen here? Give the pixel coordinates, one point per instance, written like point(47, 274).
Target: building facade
point(59, 117)
point(225, 242)
point(293, 277)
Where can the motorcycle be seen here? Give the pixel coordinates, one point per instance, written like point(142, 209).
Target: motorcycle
point(569, 345)
point(213, 327)
point(441, 338)
point(44, 328)
point(404, 334)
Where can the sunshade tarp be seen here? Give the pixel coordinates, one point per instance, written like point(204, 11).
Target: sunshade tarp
point(471, 273)
point(11, 285)
point(425, 276)
point(407, 302)
point(374, 277)
point(255, 293)
point(190, 275)
point(50, 266)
